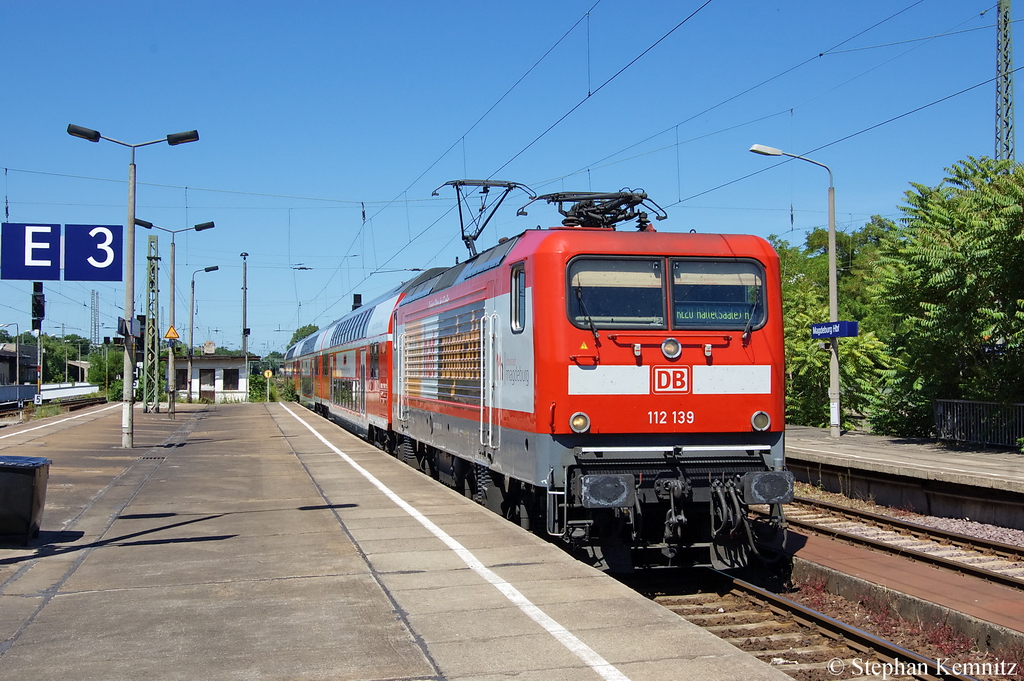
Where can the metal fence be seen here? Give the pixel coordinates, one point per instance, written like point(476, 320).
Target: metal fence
point(989, 423)
point(14, 393)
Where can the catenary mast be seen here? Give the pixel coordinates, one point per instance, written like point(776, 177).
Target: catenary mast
point(1004, 84)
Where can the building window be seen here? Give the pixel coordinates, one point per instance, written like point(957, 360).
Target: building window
point(181, 379)
point(231, 379)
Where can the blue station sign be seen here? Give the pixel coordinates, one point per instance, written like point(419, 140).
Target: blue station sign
point(30, 251)
point(38, 252)
point(834, 330)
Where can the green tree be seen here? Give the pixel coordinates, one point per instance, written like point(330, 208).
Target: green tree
point(302, 332)
point(805, 302)
point(58, 352)
point(951, 281)
point(258, 388)
point(105, 368)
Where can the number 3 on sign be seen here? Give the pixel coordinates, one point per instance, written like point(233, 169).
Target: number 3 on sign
point(92, 252)
point(107, 238)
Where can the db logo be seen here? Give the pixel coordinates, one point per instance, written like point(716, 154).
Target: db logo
point(671, 379)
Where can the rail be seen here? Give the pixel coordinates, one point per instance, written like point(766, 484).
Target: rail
point(969, 564)
point(66, 405)
point(797, 640)
point(859, 638)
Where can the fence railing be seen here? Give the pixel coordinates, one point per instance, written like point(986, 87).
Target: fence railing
point(989, 423)
point(14, 393)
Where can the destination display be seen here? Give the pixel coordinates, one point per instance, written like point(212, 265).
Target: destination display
point(713, 313)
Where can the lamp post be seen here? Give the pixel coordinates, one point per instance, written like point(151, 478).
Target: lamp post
point(192, 324)
point(128, 394)
point(171, 376)
point(245, 329)
point(17, 354)
point(835, 414)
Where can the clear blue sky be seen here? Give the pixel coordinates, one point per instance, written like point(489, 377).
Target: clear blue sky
point(309, 111)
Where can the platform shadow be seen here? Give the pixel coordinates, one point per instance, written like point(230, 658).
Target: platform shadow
point(50, 549)
point(44, 538)
point(326, 507)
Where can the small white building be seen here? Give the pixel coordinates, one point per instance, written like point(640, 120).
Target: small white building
point(215, 378)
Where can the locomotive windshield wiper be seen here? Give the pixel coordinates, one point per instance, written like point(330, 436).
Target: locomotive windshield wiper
point(583, 309)
point(750, 317)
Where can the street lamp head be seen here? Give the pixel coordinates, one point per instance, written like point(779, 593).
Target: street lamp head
point(244, 255)
point(203, 225)
point(765, 151)
point(84, 133)
point(177, 138)
point(212, 268)
point(143, 223)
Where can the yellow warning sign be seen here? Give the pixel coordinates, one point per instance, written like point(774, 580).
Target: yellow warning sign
point(583, 346)
point(171, 333)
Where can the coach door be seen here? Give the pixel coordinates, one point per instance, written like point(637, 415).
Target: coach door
point(399, 388)
point(361, 377)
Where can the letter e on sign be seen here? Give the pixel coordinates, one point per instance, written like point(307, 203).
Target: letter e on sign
point(93, 252)
point(671, 379)
point(29, 251)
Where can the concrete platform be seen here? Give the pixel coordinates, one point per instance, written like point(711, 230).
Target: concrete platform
point(925, 476)
point(259, 541)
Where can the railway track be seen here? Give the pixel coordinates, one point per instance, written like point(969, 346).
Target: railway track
point(66, 405)
point(989, 560)
point(801, 642)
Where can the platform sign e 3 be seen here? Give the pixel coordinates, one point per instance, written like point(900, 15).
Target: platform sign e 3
point(37, 252)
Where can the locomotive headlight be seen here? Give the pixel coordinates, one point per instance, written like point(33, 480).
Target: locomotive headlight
point(579, 422)
point(671, 348)
point(761, 421)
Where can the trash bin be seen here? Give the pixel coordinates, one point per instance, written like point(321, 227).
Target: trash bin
point(22, 496)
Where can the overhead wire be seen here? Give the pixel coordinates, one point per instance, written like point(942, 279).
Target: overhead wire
point(844, 138)
point(460, 139)
point(602, 86)
point(743, 92)
point(612, 78)
point(542, 134)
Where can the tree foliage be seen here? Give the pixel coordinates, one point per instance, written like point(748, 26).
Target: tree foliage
point(951, 282)
point(939, 297)
point(302, 332)
point(805, 302)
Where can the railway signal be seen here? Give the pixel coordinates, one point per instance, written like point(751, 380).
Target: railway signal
point(38, 305)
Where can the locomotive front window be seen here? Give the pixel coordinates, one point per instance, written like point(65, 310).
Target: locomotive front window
point(616, 294)
point(717, 294)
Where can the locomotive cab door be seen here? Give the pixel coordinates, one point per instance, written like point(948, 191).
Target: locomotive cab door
point(490, 369)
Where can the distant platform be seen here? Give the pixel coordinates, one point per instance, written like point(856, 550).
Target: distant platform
point(926, 476)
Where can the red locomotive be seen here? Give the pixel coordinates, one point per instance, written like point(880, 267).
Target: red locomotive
point(621, 390)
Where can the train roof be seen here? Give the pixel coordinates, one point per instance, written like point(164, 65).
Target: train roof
point(360, 322)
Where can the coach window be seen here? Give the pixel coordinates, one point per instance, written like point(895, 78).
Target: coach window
point(718, 294)
point(518, 298)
